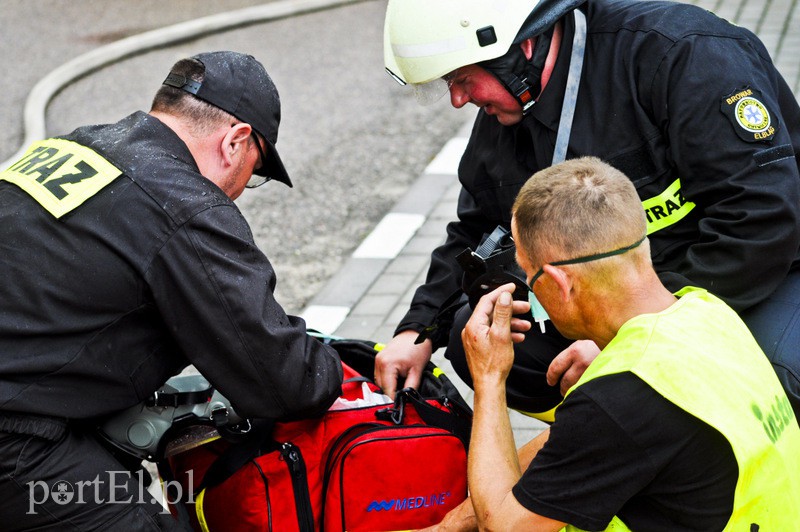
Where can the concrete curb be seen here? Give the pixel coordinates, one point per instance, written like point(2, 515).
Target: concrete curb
point(41, 94)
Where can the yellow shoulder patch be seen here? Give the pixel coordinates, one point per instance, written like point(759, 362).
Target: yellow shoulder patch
point(60, 174)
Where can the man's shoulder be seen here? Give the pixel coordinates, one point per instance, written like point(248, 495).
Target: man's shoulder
point(155, 159)
point(630, 405)
point(671, 20)
point(624, 400)
point(616, 390)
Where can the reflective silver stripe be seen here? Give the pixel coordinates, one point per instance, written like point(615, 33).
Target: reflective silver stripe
point(430, 48)
point(571, 92)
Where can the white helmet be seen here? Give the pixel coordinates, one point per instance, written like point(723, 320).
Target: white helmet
point(426, 39)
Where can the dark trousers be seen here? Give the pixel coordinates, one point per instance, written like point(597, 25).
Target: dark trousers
point(526, 387)
point(70, 483)
point(775, 324)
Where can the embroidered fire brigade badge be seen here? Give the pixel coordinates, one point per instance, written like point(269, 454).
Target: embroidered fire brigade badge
point(750, 117)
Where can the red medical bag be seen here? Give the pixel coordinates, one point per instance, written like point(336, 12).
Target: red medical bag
point(396, 466)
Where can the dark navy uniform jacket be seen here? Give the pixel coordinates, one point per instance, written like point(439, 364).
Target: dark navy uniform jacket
point(155, 270)
point(692, 109)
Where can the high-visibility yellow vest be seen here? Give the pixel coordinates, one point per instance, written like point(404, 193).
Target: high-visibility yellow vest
point(700, 356)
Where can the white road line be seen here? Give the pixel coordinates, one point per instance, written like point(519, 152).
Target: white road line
point(324, 318)
point(390, 236)
point(446, 163)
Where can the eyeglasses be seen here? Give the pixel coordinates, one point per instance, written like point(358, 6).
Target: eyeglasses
point(451, 78)
point(432, 91)
point(258, 180)
point(587, 258)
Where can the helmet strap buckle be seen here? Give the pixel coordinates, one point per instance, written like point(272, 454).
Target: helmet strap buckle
point(514, 70)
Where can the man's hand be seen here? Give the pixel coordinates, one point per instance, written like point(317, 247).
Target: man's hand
point(570, 364)
point(402, 358)
point(491, 332)
point(459, 519)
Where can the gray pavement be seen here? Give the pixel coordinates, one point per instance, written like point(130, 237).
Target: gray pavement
point(371, 292)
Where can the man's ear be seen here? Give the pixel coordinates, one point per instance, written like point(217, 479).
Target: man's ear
point(527, 48)
point(562, 279)
point(234, 141)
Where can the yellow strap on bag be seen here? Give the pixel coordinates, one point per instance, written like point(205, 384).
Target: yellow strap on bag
point(198, 508)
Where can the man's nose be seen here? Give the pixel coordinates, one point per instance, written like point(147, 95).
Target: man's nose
point(458, 96)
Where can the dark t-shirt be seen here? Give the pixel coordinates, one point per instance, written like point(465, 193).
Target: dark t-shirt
point(617, 447)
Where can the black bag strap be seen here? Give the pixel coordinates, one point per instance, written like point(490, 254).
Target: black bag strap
point(236, 456)
point(178, 398)
point(439, 330)
point(436, 383)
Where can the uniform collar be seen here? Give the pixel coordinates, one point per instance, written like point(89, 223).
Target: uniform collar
point(171, 141)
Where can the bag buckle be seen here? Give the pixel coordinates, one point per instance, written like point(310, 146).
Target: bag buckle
point(396, 413)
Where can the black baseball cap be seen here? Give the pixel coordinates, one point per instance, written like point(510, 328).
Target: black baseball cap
point(238, 84)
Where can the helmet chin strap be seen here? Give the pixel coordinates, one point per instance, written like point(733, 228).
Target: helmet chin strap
point(522, 77)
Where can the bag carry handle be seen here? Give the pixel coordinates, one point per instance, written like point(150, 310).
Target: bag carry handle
point(452, 421)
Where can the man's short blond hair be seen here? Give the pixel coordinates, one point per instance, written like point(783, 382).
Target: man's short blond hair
point(579, 207)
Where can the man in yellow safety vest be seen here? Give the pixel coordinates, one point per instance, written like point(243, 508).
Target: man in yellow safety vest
point(680, 422)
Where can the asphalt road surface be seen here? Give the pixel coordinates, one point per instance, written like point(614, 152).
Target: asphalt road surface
point(351, 138)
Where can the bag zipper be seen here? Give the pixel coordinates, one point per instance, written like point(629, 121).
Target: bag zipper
point(340, 444)
point(297, 467)
point(266, 489)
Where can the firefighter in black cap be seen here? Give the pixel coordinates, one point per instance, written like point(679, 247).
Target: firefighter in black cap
point(125, 259)
point(688, 106)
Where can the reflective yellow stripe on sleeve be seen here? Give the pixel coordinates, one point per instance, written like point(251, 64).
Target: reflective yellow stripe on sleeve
point(667, 208)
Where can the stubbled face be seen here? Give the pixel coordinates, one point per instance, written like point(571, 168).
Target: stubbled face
point(474, 84)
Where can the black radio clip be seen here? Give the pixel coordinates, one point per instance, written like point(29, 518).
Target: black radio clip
point(491, 265)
